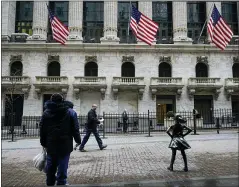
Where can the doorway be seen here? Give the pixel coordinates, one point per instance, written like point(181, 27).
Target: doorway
point(204, 105)
point(235, 108)
point(164, 104)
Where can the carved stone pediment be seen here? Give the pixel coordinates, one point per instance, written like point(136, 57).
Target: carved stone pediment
point(127, 59)
point(14, 58)
point(165, 59)
point(236, 59)
point(53, 58)
point(202, 59)
point(90, 59)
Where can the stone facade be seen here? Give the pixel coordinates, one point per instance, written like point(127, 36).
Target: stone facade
point(108, 55)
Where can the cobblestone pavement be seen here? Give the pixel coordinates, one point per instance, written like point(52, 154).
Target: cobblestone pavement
point(127, 158)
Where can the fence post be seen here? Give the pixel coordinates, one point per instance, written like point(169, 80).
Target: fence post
point(149, 125)
point(194, 122)
point(104, 126)
point(217, 125)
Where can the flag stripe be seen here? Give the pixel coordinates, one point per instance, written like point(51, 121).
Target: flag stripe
point(59, 31)
point(219, 32)
point(143, 27)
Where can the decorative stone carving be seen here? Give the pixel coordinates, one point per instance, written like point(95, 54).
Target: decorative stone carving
point(90, 59)
point(77, 93)
point(141, 92)
point(14, 58)
point(53, 58)
point(229, 92)
point(128, 59)
point(153, 91)
point(26, 92)
point(179, 92)
point(102, 91)
point(217, 92)
point(38, 92)
point(115, 93)
point(191, 93)
point(202, 59)
point(236, 59)
point(165, 59)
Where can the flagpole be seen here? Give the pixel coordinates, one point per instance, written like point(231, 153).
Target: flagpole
point(205, 22)
point(130, 6)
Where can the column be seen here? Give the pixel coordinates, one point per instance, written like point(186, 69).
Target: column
point(110, 22)
point(209, 8)
point(40, 22)
point(75, 21)
point(8, 19)
point(180, 23)
point(145, 7)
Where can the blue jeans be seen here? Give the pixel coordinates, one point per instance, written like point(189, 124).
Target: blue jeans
point(55, 162)
point(86, 138)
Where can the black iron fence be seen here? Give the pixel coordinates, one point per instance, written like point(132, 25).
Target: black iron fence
point(137, 123)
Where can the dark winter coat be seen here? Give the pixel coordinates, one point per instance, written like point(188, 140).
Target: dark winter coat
point(92, 120)
point(58, 126)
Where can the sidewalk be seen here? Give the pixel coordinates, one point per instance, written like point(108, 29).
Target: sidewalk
point(127, 158)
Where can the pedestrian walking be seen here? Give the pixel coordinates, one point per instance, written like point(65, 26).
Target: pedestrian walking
point(125, 119)
point(91, 127)
point(58, 126)
point(178, 142)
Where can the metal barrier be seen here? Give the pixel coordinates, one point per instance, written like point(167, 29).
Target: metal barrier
point(137, 123)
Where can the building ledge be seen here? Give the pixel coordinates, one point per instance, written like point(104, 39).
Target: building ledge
point(97, 47)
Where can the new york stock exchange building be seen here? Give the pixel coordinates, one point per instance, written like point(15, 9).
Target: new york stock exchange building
point(102, 62)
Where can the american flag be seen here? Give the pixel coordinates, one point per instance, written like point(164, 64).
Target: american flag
point(220, 33)
point(59, 31)
point(143, 27)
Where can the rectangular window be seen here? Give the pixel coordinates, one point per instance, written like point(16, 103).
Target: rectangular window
point(196, 16)
point(162, 14)
point(24, 17)
point(60, 10)
point(93, 21)
point(124, 32)
point(230, 14)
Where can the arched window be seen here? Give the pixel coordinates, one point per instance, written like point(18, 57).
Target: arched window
point(54, 69)
point(201, 70)
point(91, 69)
point(127, 69)
point(235, 70)
point(16, 69)
point(165, 70)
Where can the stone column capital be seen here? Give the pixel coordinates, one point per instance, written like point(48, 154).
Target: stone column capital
point(75, 22)
point(180, 30)
point(110, 22)
point(40, 22)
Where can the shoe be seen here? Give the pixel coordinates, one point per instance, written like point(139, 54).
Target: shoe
point(82, 150)
point(185, 169)
point(170, 168)
point(103, 147)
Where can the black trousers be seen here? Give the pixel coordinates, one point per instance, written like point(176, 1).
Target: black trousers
point(125, 126)
point(87, 136)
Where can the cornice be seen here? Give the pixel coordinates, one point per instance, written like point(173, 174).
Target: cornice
point(135, 48)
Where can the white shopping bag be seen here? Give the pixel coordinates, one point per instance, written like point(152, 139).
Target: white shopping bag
point(39, 161)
